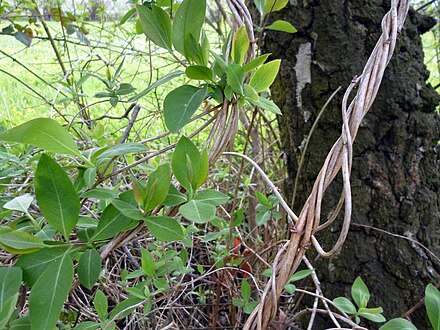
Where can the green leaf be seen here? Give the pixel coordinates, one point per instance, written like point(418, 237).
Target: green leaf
point(10, 281)
point(260, 4)
point(250, 306)
point(43, 133)
point(398, 324)
point(290, 288)
point(180, 104)
point(211, 196)
point(274, 5)
point(265, 76)
point(147, 262)
point(432, 303)
point(101, 194)
point(373, 317)
point(250, 93)
point(49, 293)
point(22, 323)
point(255, 63)
point(189, 166)
point(19, 242)
point(156, 84)
point(122, 149)
point(238, 302)
point(128, 210)
point(165, 229)
point(235, 74)
point(240, 45)
point(266, 104)
point(20, 203)
point(198, 211)
point(157, 187)
point(300, 275)
point(56, 196)
point(127, 16)
point(262, 199)
point(360, 293)
point(188, 21)
point(263, 217)
point(282, 26)
point(112, 222)
point(174, 197)
point(156, 25)
point(89, 268)
point(199, 72)
point(245, 290)
point(124, 308)
point(101, 304)
point(344, 305)
point(87, 326)
point(35, 264)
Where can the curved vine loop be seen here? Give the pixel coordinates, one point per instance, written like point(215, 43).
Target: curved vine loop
point(339, 157)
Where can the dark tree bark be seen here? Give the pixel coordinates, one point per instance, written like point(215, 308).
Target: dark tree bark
point(395, 177)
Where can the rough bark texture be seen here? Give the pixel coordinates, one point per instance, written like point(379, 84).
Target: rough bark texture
point(395, 177)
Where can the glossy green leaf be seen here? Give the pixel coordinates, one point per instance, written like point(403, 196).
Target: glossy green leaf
point(199, 72)
point(124, 308)
point(174, 197)
point(20, 203)
point(56, 196)
point(211, 196)
point(432, 303)
point(123, 149)
point(250, 93)
point(235, 74)
point(266, 104)
point(344, 305)
point(156, 24)
point(35, 264)
point(240, 45)
point(282, 26)
point(398, 324)
point(89, 325)
point(245, 290)
point(260, 4)
point(128, 210)
point(263, 78)
point(112, 222)
point(156, 84)
point(255, 63)
point(180, 104)
point(190, 167)
point(165, 229)
point(43, 133)
point(127, 16)
point(10, 281)
point(188, 21)
point(49, 293)
point(101, 194)
point(360, 292)
point(198, 211)
point(89, 268)
point(157, 187)
point(19, 242)
point(374, 317)
point(101, 304)
point(147, 262)
point(274, 5)
point(299, 275)
point(22, 323)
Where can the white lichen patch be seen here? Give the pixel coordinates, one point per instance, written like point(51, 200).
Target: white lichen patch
point(302, 70)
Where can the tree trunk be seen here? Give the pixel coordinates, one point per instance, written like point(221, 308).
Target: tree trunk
point(395, 176)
